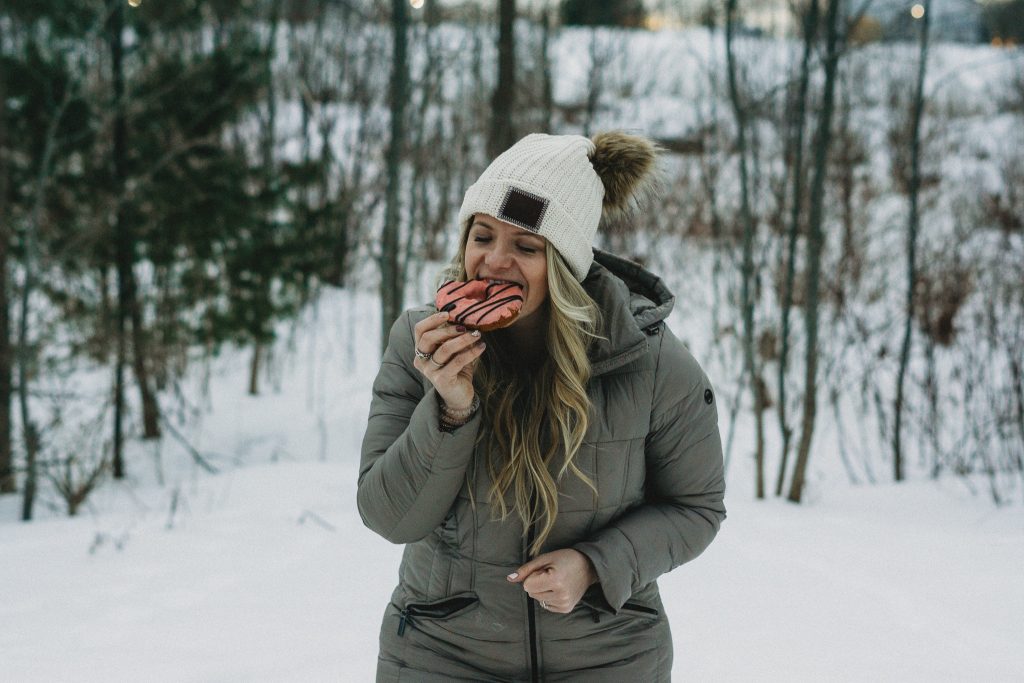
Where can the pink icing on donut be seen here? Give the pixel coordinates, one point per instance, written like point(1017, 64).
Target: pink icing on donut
point(479, 305)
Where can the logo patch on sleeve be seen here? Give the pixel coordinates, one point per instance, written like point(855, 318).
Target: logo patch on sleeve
point(523, 208)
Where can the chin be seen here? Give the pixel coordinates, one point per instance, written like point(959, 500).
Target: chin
point(529, 316)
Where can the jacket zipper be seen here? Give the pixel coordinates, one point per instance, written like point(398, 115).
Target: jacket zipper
point(531, 617)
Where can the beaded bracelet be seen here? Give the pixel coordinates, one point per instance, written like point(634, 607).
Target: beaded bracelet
point(457, 418)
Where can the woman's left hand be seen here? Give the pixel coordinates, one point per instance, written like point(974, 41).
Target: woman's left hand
point(557, 579)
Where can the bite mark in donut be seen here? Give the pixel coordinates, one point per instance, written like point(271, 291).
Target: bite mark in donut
point(479, 304)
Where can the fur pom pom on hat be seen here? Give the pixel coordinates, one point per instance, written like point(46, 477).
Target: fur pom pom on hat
point(562, 186)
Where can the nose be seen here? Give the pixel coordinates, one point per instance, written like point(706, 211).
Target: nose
point(498, 258)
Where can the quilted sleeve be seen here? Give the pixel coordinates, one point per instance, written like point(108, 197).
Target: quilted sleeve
point(410, 471)
point(684, 503)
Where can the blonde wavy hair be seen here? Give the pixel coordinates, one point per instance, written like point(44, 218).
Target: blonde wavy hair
point(519, 404)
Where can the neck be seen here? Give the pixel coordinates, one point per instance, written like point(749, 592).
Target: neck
point(526, 338)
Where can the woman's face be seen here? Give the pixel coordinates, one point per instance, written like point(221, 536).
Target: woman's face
point(496, 250)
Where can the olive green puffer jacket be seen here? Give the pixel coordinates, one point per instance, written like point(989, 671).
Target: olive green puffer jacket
point(654, 452)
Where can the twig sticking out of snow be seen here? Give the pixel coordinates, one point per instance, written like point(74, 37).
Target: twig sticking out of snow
point(309, 514)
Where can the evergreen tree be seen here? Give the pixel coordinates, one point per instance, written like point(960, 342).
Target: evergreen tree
point(194, 208)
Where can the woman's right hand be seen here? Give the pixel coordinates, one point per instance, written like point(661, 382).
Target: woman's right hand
point(454, 352)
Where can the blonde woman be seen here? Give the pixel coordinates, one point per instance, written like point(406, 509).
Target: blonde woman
point(542, 476)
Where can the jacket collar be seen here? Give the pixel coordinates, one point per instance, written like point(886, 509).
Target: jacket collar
point(632, 300)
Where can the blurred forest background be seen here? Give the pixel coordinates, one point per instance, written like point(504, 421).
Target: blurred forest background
point(844, 177)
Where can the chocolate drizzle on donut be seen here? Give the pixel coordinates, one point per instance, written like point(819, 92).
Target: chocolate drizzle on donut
point(494, 299)
point(492, 302)
point(451, 304)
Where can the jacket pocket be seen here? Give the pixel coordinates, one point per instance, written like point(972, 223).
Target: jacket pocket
point(437, 610)
point(599, 608)
point(640, 609)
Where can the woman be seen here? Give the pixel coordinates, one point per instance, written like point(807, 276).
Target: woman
point(542, 476)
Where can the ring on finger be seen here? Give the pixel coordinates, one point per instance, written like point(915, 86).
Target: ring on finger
point(424, 356)
point(439, 365)
point(543, 604)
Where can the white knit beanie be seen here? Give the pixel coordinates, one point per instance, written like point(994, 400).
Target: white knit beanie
point(558, 186)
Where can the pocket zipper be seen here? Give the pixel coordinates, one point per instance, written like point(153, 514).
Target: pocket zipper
point(436, 610)
point(640, 608)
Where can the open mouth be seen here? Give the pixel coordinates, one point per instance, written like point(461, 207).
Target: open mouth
point(494, 281)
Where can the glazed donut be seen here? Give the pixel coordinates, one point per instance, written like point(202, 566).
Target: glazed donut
point(479, 304)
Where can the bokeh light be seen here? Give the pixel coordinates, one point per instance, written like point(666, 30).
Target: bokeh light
point(416, 4)
point(917, 11)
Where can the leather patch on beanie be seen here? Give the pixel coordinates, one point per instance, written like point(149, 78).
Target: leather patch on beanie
point(523, 208)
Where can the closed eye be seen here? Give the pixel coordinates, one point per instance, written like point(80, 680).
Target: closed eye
point(526, 249)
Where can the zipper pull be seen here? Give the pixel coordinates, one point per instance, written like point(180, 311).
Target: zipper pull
point(595, 615)
point(401, 622)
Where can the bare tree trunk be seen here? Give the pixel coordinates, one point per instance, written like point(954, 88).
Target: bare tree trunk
point(392, 285)
point(932, 388)
point(913, 221)
point(797, 141)
point(30, 433)
point(751, 370)
point(504, 100)
point(254, 369)
point(1017, 376)
point(548, 81)
point(599, 57)
point(140, 356)
point(29, 430)
point(269, 143)
point(833, 397)
point(123, 257)
point(425, 165)
point(814, 248)
point(128, 303)
point(432, 13)
point(7, 480)
point(303, 68)
point(105, 305)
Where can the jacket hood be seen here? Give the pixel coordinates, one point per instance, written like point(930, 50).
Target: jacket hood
point(633, 301)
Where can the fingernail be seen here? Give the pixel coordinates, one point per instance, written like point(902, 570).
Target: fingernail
point(460, 328)
point(513, 576)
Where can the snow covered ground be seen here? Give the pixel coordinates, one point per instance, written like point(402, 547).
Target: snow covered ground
point(269, 575)
point(265, 572)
